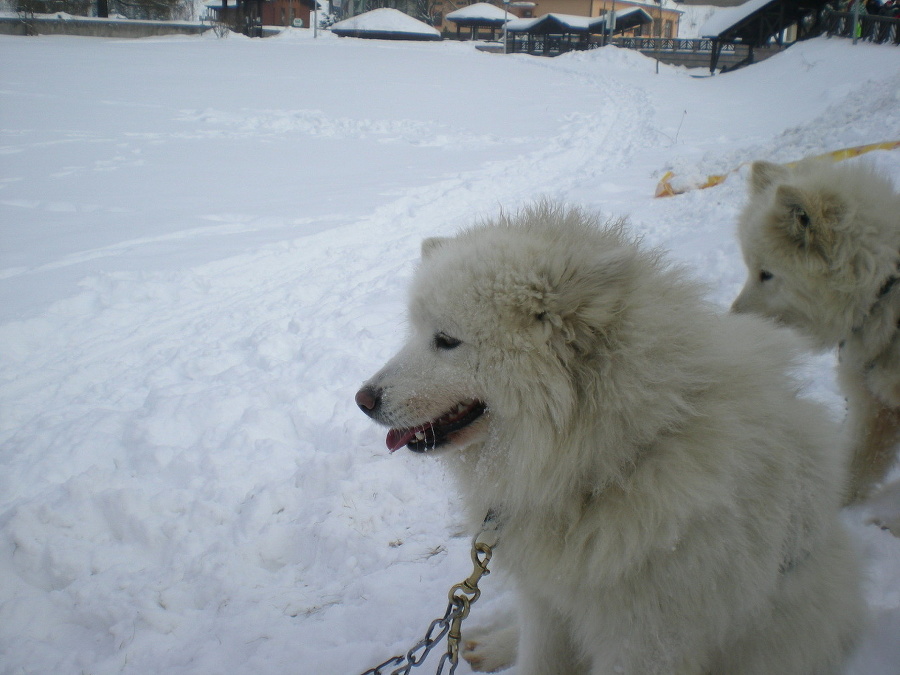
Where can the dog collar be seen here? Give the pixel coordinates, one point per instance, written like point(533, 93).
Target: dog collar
point(885, 289)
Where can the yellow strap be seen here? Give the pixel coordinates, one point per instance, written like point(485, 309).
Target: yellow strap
point(665, 188)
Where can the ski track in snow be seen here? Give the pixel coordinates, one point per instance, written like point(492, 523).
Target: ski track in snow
point(186, 486)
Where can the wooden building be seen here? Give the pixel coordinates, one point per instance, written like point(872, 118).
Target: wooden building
point(555, 34)
point(480, 20)
point(665, 17)
point(250, 15)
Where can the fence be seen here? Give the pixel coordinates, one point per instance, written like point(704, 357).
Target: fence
point(94, 27)
point(553, 45)
point(688, 52)
point(872, 28)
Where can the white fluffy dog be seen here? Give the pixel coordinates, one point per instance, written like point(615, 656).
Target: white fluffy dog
point(822, 245)
point(667, 504)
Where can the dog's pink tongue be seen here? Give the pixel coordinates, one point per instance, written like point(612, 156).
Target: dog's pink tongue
point(397, 438)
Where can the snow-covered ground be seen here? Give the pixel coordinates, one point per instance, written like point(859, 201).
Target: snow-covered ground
point(205, 248)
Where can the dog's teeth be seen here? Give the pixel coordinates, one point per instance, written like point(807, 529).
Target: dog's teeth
point(420, 435)
point(460, 407)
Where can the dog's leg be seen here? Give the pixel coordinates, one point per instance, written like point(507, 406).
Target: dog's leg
point(815, 618)
point(876, 452)
point(492, 649)
point(874, 432)
point(545, 643)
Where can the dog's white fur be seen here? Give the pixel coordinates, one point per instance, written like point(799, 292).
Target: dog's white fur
point(822, 246)
point(667, 504)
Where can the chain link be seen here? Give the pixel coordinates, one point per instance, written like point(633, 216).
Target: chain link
point(462, 596)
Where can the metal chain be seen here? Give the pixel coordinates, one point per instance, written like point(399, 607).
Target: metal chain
point(462, 596)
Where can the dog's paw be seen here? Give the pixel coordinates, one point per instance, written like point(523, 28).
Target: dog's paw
point(884, 509)
point(490, 650)
point(891, 525)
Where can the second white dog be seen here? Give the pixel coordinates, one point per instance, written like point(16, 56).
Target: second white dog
point(822, 246)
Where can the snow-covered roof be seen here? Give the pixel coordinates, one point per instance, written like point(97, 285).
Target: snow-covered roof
point(480, 10)
point(629, 18)
point(570, 21)
point(724, 18)
point(579, 24)
point(384, 21)
point(628, 13)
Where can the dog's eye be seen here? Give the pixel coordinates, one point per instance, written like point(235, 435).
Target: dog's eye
point(802, 218)
point(444, 341)
point(764, 276)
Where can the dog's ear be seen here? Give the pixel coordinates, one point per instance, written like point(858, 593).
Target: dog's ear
point(431, 244)
point(808, 219)
point(764, 174)
point(586, 299)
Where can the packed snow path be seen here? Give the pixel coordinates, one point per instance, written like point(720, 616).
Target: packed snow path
point(205, 250)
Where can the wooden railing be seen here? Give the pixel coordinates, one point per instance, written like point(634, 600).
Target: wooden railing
point(551, 45)
point(652, 44)
point(872, 28)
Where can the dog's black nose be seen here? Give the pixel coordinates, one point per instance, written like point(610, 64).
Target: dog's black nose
point(368, 399)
